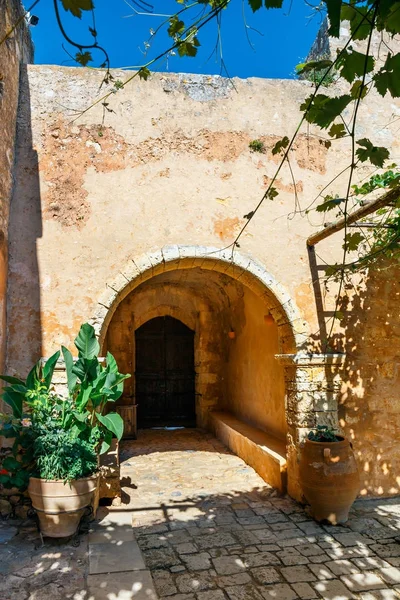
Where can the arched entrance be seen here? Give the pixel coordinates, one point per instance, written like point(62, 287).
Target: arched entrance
point(164, 374)
point(248, 348)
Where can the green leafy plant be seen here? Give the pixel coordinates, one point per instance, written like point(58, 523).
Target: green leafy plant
point(323, 433)
point(55, 437)
point(257, 146)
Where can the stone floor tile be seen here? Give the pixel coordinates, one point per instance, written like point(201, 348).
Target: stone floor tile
point(113, 558)
point(265, 575)
point(321, 571)
point(228, 565)
point(160, 558)
point(384, 594)
point(280, 591)
point(211, 595)
point(182, 597)
point(352, 539)
point(110, 534)
point(262, 559)
point(304, 591)
point(187, 548)
point(342, 567)
point(164, 583)
point(386, 550)
point(243, 592)
point(333, 589)
point(215, 540)
point(194, 582)
point(362, 582)
point(297, 574)
point(370, 563)
point(135, 585)
point(197, 562)
point(236, 579)
point(390, 575)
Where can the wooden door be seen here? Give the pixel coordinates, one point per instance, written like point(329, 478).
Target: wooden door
point(164, 376)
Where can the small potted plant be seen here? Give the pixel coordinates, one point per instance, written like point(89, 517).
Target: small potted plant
point(58, 440)
point(328, 475)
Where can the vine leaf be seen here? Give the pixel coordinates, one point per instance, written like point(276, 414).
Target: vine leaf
point(272, 193)
point(280, 145)
point(176, 27)
point(144, 73)
point(337, 131)
point(387, 78)
point(83, 58)
point(273, 3)
point(375, 154)
point(255, 5)
point(352, 241)
point(249, 215)
point(392, 22)
point(360, 26)
point(312, 65)
point(329, 204)
point(354, 64)
point(323, 110)
point(77, 6)
point(358, 90)
point(334, 7)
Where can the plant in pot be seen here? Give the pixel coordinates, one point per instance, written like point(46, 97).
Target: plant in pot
point(58, 440)
point(328, 475)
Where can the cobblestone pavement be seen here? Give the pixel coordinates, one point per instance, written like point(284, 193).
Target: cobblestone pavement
point(211, 529)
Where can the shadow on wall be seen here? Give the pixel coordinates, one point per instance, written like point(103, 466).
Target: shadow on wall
point(24, 344)
point(369, 405)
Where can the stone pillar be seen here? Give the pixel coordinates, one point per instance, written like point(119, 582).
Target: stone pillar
point(312, 392)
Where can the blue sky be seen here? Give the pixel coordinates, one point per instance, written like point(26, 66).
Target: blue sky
point(288, 35)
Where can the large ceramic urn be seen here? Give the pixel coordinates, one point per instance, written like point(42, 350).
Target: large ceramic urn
point(329, 479)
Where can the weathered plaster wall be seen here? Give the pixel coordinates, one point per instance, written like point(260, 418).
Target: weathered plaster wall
point(255, 380)
point(17, 48)
point(171, 165)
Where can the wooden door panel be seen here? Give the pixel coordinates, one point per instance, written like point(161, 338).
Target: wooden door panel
point(165, 391)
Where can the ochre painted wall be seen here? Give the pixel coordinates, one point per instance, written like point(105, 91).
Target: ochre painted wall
point(254, 379)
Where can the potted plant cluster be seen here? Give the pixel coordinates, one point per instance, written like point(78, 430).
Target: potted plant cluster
point(57, 440)
point(328, 475)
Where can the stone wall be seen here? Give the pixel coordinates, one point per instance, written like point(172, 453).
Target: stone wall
point(162, 185)
point(16, 49)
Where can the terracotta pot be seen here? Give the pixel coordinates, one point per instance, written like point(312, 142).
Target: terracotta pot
point(329, 478)
point(60, 506)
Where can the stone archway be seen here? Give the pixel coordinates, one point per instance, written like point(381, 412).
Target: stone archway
point(137, 282)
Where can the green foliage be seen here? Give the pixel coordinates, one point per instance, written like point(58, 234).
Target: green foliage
point(387, 79)
point(280, 145)
point(388, 179)
point(354, 64)
point(83, 58)
point(323, 433)
point(77, 6)
point(323, 110)
point(329, 203)
point(257, 146)
point(61, 455)
point(337, 131)
point(377, 155)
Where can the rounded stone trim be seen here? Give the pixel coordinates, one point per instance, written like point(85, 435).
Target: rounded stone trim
point(252, 274)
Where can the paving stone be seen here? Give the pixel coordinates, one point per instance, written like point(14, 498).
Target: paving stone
point(187, 548)
point(310, 550)
point(386, 550)
point(342, 567)
point(333, 589)
point(197, 562)
point(7, 532)
point(297, 574)
point(148, 542)
point(362, 582)
point(390, 575)
point(194, 582)
point(110, 534)
point(137, 585)
point(211, 595)
point(164, 583)
point(112, 558)
point(260, 560)
point(161, 558)
point(182, 597)
point(370, 563)
point(352, 539)
point(304, 591)
point(215, 540)
point(243, 592)
point(290, 557)
point(321, 571)
point(237, 579)
point(266, 575)
point(228, 565)
point(281, 591)
point(178, 569)
point(384, 594)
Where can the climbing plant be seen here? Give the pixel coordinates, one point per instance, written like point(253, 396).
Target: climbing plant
point(335, 112)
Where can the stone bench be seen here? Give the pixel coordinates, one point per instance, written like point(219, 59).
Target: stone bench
point(260, 450)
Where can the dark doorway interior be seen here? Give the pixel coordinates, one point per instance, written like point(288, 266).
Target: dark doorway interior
point(165, 388)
